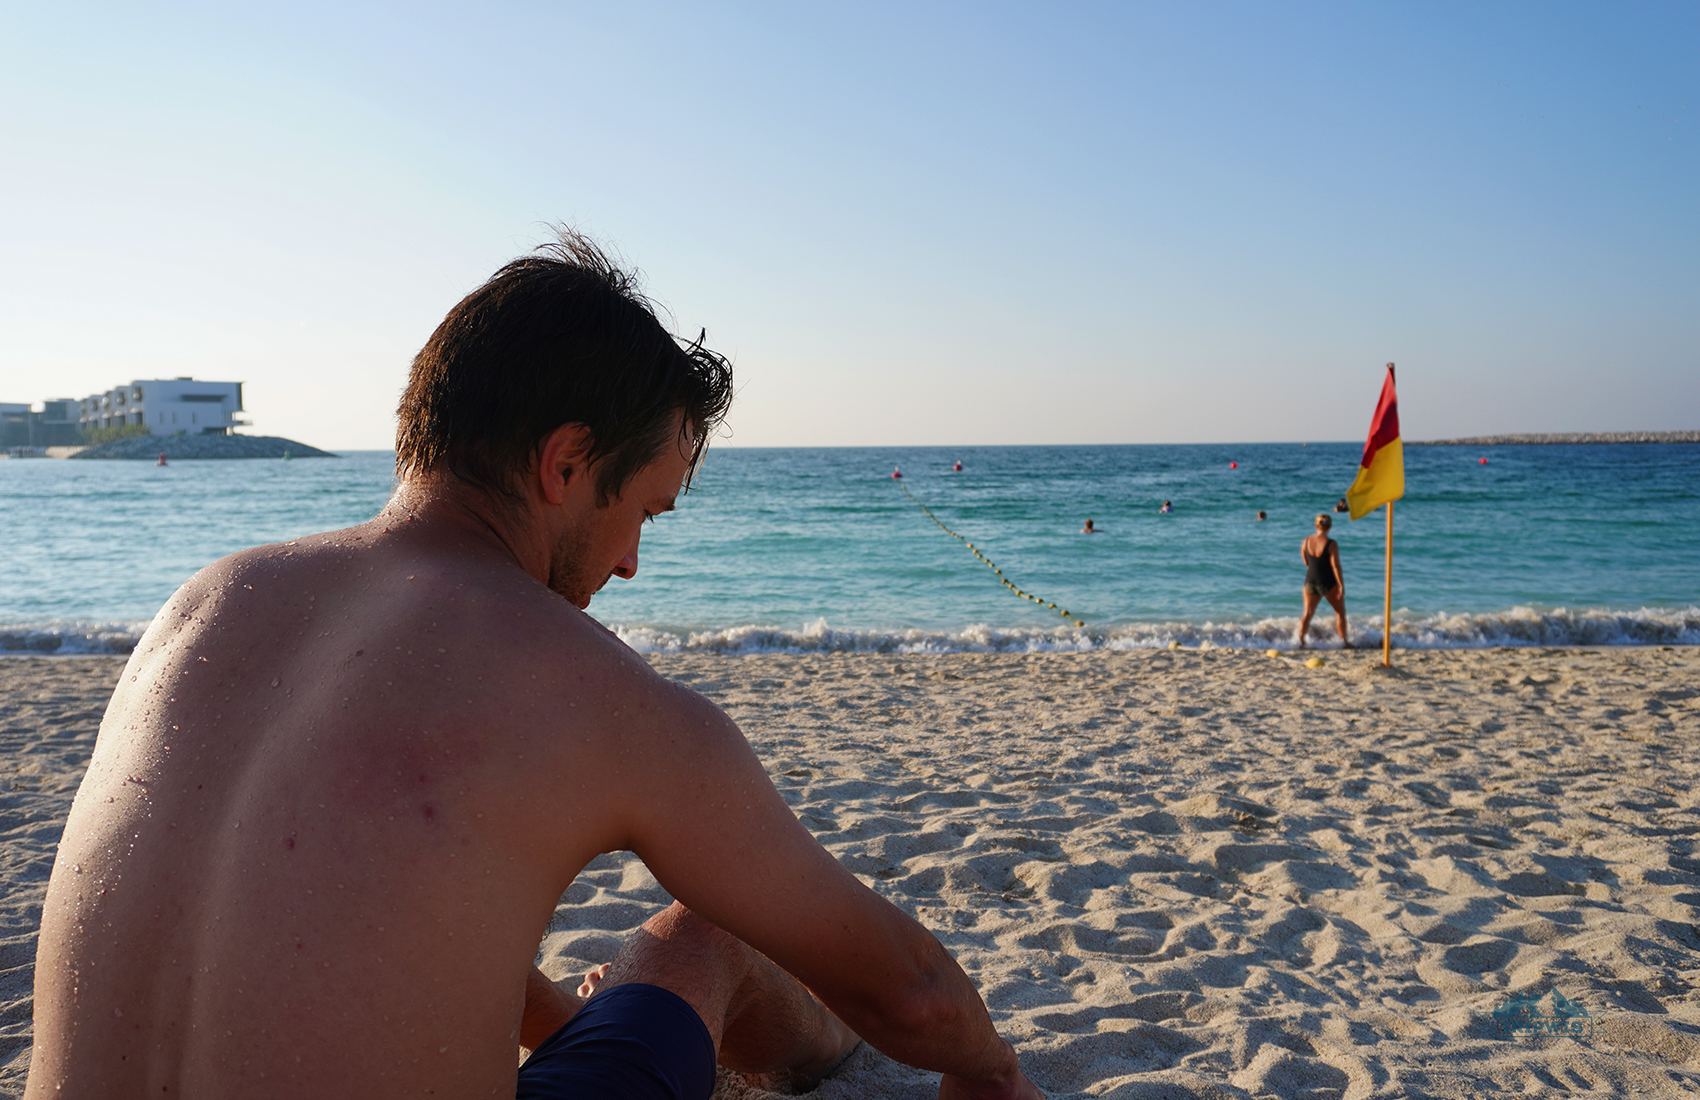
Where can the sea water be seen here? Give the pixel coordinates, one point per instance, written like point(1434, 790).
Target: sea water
point(821, 549)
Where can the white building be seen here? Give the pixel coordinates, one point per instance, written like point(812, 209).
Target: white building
point(166, 406)
point(54, 426)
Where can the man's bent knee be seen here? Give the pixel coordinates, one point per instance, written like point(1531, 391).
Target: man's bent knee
point(691, 957)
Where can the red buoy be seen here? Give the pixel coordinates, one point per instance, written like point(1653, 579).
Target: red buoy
point(958, 466)
point(1483, 461)
point(1233, 465)
point(897, 473)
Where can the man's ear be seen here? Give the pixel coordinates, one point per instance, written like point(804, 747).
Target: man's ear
point(563, 458)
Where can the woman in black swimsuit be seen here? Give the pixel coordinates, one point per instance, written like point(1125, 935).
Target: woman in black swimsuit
point(1323, 579)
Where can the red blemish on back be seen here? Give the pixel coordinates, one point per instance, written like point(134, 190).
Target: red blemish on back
point(430, 812)
point(289, 842)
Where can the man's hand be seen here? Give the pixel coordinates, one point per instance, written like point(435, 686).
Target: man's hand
point(1013, 1085)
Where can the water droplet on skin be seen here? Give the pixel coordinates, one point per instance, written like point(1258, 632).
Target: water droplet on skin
point(276, 681)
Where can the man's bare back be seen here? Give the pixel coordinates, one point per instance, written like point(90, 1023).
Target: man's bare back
point(344, 781)
point(340, 764)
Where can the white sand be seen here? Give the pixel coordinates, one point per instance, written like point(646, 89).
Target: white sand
point(1184, 873)
point(49, 712)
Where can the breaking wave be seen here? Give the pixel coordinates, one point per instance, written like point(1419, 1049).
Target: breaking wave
point(1519, 626)
point(70, 639)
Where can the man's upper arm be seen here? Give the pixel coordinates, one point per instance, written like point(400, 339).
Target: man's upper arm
point(715, 832)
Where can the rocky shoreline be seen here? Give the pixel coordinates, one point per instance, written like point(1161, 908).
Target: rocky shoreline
point(1562, 437)
point(150, 447)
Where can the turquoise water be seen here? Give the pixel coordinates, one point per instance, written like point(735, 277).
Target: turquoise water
point(819, 548)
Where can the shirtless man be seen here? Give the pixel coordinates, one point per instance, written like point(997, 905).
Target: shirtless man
point(344, 781)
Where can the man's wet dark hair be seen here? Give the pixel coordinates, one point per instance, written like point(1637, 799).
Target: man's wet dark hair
point(562, 336)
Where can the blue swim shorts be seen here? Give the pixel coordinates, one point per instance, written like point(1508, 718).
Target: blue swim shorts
point(631, 1042)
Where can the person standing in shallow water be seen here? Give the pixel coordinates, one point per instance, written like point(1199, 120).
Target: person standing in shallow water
point(1323, 578)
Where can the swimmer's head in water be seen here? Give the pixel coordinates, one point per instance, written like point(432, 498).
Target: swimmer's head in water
point(562, 336)
point(1323, 523)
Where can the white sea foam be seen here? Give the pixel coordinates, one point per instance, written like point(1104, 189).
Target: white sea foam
point(1519, 626)
point(69, 638)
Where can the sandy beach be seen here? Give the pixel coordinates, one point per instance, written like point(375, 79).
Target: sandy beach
point(1192, 873)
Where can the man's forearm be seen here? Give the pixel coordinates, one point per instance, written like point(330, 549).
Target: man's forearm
point(931, 1017)
point(964, 1046)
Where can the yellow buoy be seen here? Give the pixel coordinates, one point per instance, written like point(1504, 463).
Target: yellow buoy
point(1315, 662)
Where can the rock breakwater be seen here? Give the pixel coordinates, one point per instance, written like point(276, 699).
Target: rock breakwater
point(1562, 437)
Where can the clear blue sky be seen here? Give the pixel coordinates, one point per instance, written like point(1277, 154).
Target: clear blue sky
point(908, 224)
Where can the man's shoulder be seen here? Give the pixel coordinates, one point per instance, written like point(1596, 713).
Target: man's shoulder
point(281, 560)
point(485, 628)
point(515, 642)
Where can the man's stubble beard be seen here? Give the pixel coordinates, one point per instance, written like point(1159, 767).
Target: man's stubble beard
point(569, 574)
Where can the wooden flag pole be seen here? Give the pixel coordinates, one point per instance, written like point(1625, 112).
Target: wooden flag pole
point(1387, 598)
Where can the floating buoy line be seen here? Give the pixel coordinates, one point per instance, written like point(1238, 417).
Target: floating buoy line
point(984, 559)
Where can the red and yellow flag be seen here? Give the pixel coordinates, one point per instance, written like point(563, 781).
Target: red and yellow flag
point(1381, 476)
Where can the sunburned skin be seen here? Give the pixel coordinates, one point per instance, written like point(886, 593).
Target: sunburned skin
point(344, 781)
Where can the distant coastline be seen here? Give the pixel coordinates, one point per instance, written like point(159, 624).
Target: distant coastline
point(1562, 437)
point(173, 447)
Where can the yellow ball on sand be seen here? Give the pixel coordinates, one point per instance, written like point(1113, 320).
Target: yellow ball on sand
point(1315, 662)
point(1271, 653)
point(1174, 645)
